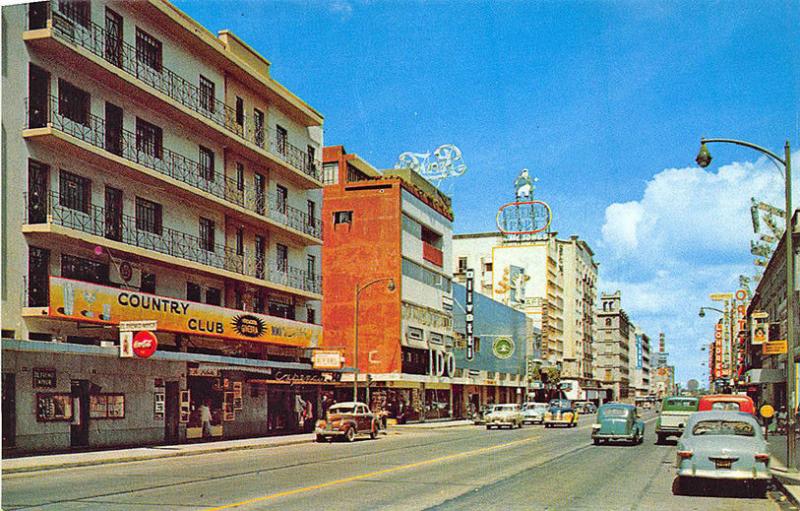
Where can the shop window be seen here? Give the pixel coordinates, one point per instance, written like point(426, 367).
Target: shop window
point(148, 50)
point(342, 217)
point(73, 103)
point(148, 283)
point(213, 296)
point(76, 191)
point(193, 292)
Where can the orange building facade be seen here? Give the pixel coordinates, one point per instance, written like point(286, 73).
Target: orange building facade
point(387, 244)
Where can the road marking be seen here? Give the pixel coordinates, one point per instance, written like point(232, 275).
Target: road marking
point(371, 474)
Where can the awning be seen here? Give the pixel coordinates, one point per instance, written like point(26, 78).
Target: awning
point(764, 376)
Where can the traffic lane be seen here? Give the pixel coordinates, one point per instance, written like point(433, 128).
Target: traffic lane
point(610, 477)
point(206, 480)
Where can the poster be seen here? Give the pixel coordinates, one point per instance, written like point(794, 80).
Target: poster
point(53, 407)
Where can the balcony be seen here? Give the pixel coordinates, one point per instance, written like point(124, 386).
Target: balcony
point(432, 254)
point(123, 229)
point(123, 144)
point(117, 60)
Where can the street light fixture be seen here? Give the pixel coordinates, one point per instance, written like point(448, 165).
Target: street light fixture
point(390, 287)
point(702, 312)
point(704, 159)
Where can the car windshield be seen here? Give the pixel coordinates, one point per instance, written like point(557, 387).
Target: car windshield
point(725, 405)
point(615, 412)
point(737, 428)
point(681, 404)
point(341, 409)
point(561, 403)
point(505, 408)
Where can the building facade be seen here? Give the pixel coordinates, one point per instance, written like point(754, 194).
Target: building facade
point(153, 171)
point(387, 264)
point(639, 362)
point(612, 362)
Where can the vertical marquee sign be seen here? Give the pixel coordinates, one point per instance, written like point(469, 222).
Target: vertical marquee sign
point(469, 316)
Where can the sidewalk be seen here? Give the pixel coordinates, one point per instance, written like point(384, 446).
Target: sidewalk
point(788, 483)
point(56, 461)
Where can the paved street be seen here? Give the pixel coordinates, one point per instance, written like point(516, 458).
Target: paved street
point(453, 468)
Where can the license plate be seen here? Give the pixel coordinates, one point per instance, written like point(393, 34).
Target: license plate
point(723, 463)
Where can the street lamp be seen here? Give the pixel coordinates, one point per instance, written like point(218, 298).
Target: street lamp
point(359, 289)
point(704, 159)
point(702, 312)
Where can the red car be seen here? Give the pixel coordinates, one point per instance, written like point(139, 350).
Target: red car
point(735, 402)
point(346, 420)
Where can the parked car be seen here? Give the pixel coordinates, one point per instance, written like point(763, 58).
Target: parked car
point(618, 421)
point(479, 417)
point(675, 411)
point(533, 413)
point(585, 407)
point(560, 413)
point(504, 415)
point(347, 420)
point(723, 445)
point(736, 402)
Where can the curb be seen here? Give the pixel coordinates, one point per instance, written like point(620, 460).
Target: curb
point(109, 461)
point(785, 491)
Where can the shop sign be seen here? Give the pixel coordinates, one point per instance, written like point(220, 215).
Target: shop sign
point(503, 347)
point(327, 359)
point(298, 377)
point(137, 326)
point(144, 344)
point(44, 377)
point(775, 347)
point(468, 317)
point(204, 371)
point(720, 297)
point(93, 303)
point(490, 382)
point(760, 333)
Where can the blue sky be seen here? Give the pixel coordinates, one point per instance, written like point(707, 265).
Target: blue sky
point(603, 101)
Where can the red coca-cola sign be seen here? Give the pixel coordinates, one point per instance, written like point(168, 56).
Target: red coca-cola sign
point(144, 344)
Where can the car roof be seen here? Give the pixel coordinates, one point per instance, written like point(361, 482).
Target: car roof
point(721, 415)
point(618, 405)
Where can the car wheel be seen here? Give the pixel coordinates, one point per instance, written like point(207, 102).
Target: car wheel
point(758, 489)
point(488, 427)
point(659, 439)
point(350, 434)
point(320, 438)
point(682, 486)
point(596, 441)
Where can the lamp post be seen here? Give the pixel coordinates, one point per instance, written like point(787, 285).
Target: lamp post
point(359, 289)
point(704, 159)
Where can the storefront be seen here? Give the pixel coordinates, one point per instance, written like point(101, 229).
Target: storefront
point(438, 401)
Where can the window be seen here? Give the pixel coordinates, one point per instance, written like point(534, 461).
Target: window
point(311, 212)
point(259, 182)
point(311, 267)
point(238, 299)
point(282, 198)
point(342, 217)
point(608, 321)
point(311, 154)
point(148, 283)
point(330, 173)
point(73, 103)
point(462, 264)
point(258, 302)
point(426, 276)
point(206, 163)
point(76, 192)
point(487, 267)
point(87, 270)
point(148, 216)
point(77, 10)
point(206, 94)
point(149, 139)
point(148, 50)
point(239, 111)
point(239, 241)
point(281, 139)
point(311, 316)
point(38, 277)
point(240, 176)
point(213, 296)
point(258, 126)
point(282, 257)
point(207, 234)
point(193, 292)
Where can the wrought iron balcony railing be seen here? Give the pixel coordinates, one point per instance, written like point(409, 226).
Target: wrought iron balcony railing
point(96, 132)
point(123, 228)
point(69, 27)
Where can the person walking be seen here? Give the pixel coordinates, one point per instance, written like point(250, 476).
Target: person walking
point(205, 419)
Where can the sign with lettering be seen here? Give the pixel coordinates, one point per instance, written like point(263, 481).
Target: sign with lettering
point(93, 303)
point(775, 347)
point(144, 344)
point(469, 315)
point(43, 377)
point(327, 360)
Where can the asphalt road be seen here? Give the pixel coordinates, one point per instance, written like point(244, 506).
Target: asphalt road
point(454, 468)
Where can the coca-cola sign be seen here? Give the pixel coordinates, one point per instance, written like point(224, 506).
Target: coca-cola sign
point(144, 344)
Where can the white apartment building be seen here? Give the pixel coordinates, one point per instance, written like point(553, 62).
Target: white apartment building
point(151, 171)
point(639, 362)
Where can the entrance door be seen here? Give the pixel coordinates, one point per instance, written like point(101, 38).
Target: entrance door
point(113, 213)
point(9, 411)
point(38, 92)
point(113, 128)
point(79, 429)
point(171, 400)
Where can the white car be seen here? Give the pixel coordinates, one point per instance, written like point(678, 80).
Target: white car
point(505, 415)
point(533, 412)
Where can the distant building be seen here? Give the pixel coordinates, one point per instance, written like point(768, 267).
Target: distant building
point(613, 347)
point(639, 362)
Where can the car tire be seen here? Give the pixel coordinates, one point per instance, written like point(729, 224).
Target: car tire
point(659, 439)
point(350, 435)
point(596, 441)
point(488, 427)
point(758, 489)
point(320, 438)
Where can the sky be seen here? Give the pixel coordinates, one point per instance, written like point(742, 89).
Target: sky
point(603, 101)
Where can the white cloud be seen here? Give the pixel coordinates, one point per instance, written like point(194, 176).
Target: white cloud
point(686, 237)
point(341, 8)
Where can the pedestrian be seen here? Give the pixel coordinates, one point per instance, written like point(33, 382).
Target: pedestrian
point(205, 419)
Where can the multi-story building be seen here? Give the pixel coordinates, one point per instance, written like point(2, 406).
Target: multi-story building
point(639, 362)
point(152, 171)
point(613, 346)
point(580, 294)
point(663, 376)
point(388, 294)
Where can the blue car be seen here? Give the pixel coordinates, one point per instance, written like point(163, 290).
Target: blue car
point(618, 421)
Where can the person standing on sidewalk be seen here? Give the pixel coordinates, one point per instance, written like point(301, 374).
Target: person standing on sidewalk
point(205, 419)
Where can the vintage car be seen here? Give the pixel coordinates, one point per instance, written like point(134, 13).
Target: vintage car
point(723, 445)
point(533, 413)
point(479, 417)
point(735, 402)
point(505, 415)
point(346, 420)
point(675, 411)
point(585, 407)
point(560, 413)
point(618, 421)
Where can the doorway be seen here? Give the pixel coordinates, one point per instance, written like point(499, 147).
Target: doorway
point(79, 429)
point(171, 400)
